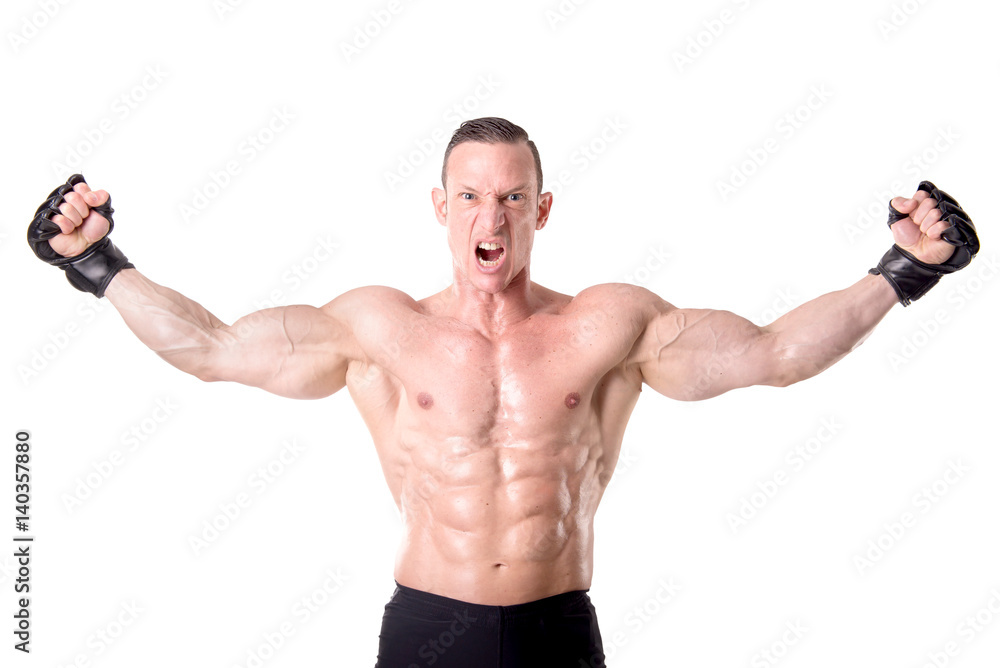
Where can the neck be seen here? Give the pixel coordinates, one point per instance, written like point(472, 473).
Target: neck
point(492, 312)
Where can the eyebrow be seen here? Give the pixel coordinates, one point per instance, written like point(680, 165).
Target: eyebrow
point(524, 187)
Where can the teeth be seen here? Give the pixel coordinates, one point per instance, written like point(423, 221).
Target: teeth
point(490, 247)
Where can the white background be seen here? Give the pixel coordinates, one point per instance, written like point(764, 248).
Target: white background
point(917, 396)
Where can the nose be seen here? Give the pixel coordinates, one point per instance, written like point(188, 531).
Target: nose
point(493, 215)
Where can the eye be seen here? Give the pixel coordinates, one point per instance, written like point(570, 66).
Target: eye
point(516, 197)
point(466, 196)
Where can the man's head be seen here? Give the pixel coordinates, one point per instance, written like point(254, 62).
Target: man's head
point(491, 202)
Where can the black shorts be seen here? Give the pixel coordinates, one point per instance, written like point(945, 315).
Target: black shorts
point(422, 630)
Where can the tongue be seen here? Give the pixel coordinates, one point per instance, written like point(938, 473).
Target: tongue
point(490, 255)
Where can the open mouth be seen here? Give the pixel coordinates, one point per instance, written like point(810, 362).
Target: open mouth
point(489, 255)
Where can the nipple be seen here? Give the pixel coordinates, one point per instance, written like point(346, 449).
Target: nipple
point(425, 400)
point(572, 400)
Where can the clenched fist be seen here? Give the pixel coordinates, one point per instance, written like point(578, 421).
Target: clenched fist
point(70, 230)
point(933, 235)
point(79, 223)
point(920, 231)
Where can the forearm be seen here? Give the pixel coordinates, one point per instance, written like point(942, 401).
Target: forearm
point(814, 336)
point(179, 330)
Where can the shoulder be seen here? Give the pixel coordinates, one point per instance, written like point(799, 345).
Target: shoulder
point(374, 316)
point(369, 298)
point(624, 300)
point(370, 307)
point(620, 313)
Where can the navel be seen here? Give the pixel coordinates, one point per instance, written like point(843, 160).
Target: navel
point(572, 400)
point(425, 400)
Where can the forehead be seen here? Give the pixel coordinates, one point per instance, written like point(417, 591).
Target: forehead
point(491, 166)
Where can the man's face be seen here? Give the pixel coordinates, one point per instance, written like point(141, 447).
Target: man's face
point(491, 197)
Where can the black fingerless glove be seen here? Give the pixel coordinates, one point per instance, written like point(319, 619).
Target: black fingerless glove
point(90, 271)
point(911, 278)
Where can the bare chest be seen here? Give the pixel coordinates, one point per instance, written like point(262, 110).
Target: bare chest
point(545, 378)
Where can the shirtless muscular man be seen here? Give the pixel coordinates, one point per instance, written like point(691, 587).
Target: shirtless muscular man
point(499, 416)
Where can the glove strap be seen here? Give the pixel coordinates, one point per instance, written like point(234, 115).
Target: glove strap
point(93, 270)
point(908, 276)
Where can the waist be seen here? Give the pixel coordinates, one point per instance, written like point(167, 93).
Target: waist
point(472, 577)
point(559, 605)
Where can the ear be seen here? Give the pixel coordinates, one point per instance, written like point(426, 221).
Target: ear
point(544, 207)
point(440, 199)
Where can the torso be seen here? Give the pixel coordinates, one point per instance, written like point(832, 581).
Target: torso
point(497, 449)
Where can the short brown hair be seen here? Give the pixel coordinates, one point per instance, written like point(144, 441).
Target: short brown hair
point(491, 130)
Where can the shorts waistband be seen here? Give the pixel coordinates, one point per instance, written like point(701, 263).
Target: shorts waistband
point(477, 613)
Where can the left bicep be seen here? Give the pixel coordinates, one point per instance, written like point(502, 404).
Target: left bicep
point(691, 354)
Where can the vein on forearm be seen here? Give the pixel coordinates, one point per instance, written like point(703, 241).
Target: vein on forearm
point(816, 335)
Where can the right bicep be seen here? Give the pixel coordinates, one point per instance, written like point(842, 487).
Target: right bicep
point(300, 352)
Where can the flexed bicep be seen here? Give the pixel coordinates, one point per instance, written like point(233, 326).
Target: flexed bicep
point(299, 351)
point(691, 354)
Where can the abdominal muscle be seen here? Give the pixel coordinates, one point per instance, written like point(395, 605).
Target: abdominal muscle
point(497, 522)
point(498, 449)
